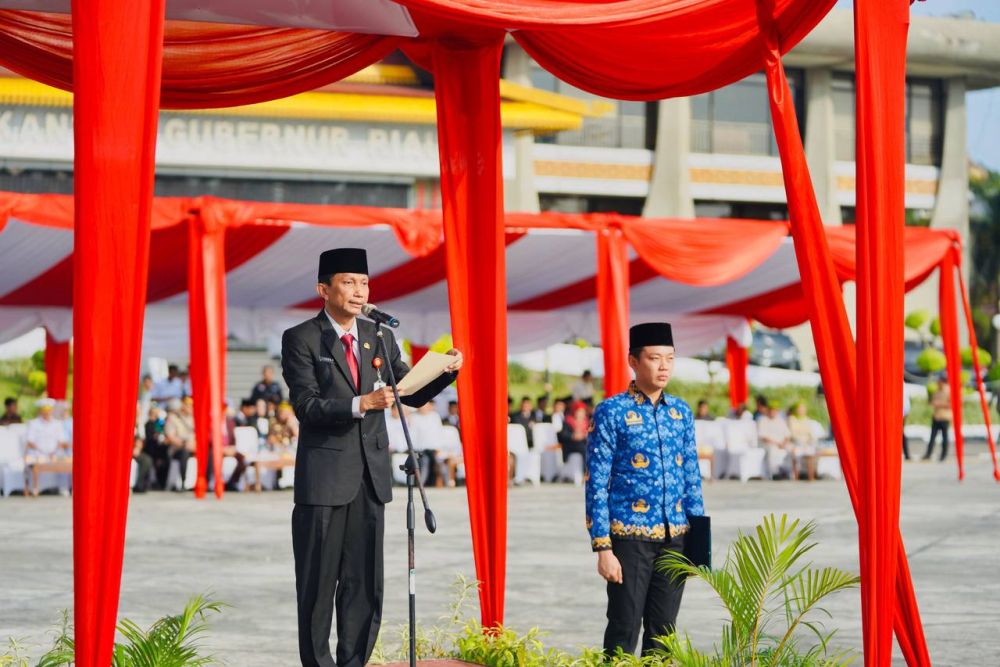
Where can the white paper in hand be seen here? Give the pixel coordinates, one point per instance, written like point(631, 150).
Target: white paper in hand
point(428, 369)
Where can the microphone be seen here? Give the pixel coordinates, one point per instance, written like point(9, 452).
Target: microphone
point(369, 310)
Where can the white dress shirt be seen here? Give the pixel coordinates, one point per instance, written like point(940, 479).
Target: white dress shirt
point(356, 349)
point(46, 435)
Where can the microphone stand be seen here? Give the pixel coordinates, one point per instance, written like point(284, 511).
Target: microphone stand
point(412, 479)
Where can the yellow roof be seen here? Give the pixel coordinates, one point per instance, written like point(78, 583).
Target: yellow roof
point(521, 107)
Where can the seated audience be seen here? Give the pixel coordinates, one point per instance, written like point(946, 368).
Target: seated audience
point(702, 412)
point(10, 414)
point(775, 438)
point(178, 431)
point(46, 436)
point(156, 445)
point(170, 387)
point(573, 436)
point(268, 388)
point(283, 434)
point(804, 441)
point(525, 417)
point(145, 462)
point(558, 416)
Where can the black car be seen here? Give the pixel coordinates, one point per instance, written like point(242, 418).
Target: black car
point(774, 349)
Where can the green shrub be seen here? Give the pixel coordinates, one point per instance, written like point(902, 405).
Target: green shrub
point(37, 381)
point(917, 319)
point(985, 358)
point(932, 361)
point(935, 327)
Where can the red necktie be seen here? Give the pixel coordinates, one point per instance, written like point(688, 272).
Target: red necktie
point(352, 361)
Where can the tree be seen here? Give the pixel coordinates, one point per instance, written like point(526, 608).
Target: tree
point(984, 242)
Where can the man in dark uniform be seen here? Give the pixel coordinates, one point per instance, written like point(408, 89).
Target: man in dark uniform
point(267, 389)
point(343, 474)
point(643, 481)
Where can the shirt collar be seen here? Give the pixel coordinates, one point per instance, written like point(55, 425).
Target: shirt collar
point(641, 398)
point(341, 330)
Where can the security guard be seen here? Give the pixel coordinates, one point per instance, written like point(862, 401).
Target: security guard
point(642, 483)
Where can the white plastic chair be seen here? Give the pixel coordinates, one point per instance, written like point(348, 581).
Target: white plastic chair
point(527, 464)
point(544, 436)
point(745, 459)
point(190, 475)
point(711, 434)
point(11, 461)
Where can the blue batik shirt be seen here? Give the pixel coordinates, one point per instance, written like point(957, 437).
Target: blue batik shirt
point(642, 476)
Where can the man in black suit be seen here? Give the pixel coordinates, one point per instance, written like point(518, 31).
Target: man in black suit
point(343, 475)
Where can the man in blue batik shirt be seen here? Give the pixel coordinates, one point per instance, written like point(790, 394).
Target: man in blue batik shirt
point(643, 481)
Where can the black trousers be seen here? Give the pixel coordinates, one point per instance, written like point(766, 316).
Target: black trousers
point(938, 426)
point(338, 557)
point(646, 599)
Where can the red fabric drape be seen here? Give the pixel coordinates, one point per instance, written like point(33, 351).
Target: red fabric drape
point(737, 359)
point(469, 136)
point(880, 31)
point(418, 231)
point(612, 308)
point(824, 303)
point(417, 353)
point(710, 254)
point(948, 314)
point(113, 182)
point(710, 42)
point(205, 65)
point(974, 345)
point(207, 328)
point(56, 367)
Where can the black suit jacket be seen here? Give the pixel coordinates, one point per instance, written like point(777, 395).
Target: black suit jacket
point(334, 447)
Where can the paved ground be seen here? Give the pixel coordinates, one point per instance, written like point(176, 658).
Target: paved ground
point(240, 550)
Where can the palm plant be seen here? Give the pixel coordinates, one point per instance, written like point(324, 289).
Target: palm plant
point(172, 641)
point(770, 596)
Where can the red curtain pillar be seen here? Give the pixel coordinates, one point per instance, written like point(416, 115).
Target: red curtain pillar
point(880, 30)
point(737, 359)
point(207, 327)
point(114, 122)
point(466, 86)
point(835, 348)
point(948, 314)
point(612, 308)
point(56, 367)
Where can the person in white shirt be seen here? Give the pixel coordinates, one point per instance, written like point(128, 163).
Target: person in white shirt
point(394, 428)
point(584, 389)
point(774, 436)
point(427, 432)
point(46, 437)
point(170, 387)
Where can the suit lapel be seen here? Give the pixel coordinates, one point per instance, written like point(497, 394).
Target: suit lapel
point(335, 348)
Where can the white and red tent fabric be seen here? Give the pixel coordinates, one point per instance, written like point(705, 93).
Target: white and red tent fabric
point(551, 280)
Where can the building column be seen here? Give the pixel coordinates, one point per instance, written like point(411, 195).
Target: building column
point(820, 145)
point(951, 207)
point(670, 181)
point(820, 142)
point(520, 194)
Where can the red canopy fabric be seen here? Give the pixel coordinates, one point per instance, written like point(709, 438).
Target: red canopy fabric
point(205, 65)
point(56, 366)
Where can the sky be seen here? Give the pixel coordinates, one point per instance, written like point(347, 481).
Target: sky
point(983, 106)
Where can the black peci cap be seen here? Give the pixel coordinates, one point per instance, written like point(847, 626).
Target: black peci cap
point(343, 260)
point(650, 333)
